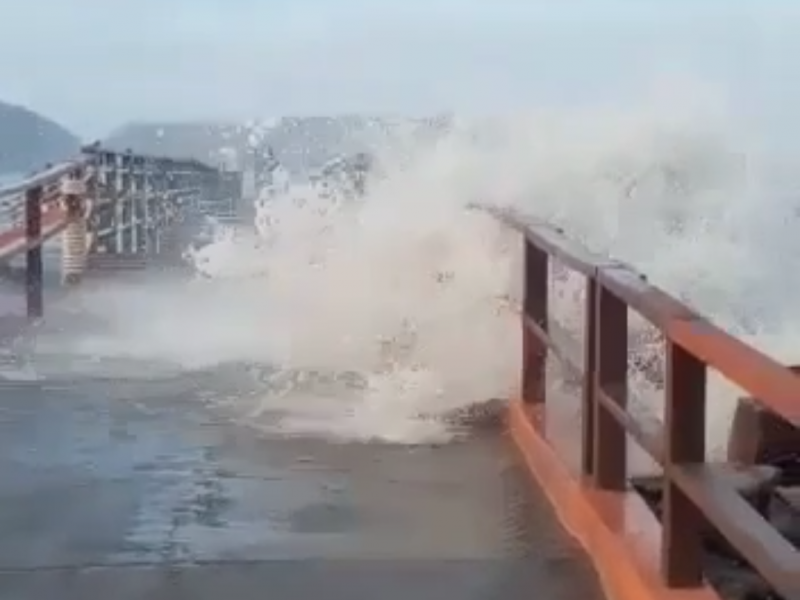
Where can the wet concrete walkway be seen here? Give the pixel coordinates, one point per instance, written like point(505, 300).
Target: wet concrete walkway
point(107, 493)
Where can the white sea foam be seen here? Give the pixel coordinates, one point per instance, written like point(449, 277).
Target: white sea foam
point(376, 314)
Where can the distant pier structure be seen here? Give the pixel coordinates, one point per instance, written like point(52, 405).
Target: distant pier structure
point(263, 177)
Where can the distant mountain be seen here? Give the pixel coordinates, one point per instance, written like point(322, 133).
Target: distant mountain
point(300, 143)
point(28, 141)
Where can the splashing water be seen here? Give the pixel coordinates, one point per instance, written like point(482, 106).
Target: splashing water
point(229, 255)
point(374, 315)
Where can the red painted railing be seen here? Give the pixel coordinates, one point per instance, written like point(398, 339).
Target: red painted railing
point(120, 191)
point(696, 493)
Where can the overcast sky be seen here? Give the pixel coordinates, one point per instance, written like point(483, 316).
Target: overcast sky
point(93, 64)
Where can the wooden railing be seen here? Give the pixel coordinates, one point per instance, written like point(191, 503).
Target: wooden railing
point(122, 192)
point(24, 205)
point(695, 492)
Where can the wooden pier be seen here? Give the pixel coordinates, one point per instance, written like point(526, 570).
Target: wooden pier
point(691, 528)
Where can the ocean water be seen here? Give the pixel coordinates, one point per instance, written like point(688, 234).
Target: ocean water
point(363, 320)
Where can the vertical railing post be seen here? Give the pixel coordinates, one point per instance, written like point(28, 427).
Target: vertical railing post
point(119, 205)
point(685, 431)
point(534, 351)
point(146, 199)
point(104, 205)
point(129, 195)
point(135, 193)
point(34, 268)
point(73, 239)
point(611, 356)
point(588, 400)
point(155, 205)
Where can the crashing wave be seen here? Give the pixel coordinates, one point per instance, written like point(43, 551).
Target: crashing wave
point(410, 291)
point(229, 254)
point(344, 177)
point(341, 179)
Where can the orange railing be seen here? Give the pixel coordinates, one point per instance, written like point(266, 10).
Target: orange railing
point(695, 492)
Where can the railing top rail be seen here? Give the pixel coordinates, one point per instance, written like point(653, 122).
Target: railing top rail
point(44, 177)
point(90, 153)
point(771, 384)
point(96, 149)
point(693, 345)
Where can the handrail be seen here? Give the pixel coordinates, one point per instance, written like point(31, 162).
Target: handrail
point(45, 177)
point(131, 196)
point(95, 150)
point(695, 491)
point(91, 154)
point(45, 193)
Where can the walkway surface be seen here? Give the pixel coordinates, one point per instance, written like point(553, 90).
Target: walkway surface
point(136, 493)
point(134, 489)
